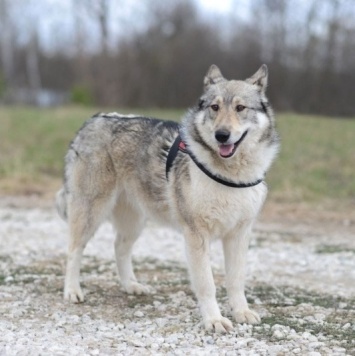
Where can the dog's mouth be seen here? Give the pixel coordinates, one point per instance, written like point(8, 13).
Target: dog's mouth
point(227, 151)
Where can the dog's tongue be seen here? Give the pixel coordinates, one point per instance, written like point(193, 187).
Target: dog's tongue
point(225, 150)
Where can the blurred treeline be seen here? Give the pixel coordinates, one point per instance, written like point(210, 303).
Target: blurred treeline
point(165, 47)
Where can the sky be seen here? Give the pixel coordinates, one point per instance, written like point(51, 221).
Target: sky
point(219, 6)
point(56, 20)
point(59, 17)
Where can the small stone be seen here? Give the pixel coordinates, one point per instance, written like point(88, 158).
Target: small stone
point(159, 340)
point(278, 334)
point(315, 345)
point(306, 335)
point(120, 326)
point(139, 314)
point(161, 322)
point(346, 326)
point(74, 318)
point(171, 339)
point(293, 335)
point(137, 343)
point(276, 349)
point(339, 350)
point(180, 294)
point(277, 327)
point(312, 338)
point(319, 316)
point(132, 326)
point(230, 353)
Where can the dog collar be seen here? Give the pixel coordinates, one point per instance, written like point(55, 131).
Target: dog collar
point(180, 145)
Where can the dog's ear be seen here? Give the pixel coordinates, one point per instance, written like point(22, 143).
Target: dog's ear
point(213, 76)
point(259, 78)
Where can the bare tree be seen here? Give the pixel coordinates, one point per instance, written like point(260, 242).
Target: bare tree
point(32, 61)
point(6, 44)
point(159, 60)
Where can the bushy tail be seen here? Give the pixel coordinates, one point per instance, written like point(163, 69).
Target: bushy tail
point(61, 204)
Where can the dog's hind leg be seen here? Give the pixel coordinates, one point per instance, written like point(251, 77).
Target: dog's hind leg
point(92, 195)
point(129, 223)
point(85, 216)
point(235, 248)
point(81, 230)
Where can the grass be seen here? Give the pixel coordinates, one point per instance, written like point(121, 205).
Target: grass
point(327, 249)
point(315, 163)
point(316, 159)
point(289, 314)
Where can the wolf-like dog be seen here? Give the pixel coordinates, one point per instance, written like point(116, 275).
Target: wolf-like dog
point(211, 187)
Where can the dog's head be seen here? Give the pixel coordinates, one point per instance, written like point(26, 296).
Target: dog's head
point(231, 112)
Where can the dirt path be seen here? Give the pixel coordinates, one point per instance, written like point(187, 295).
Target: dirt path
point(301, 279)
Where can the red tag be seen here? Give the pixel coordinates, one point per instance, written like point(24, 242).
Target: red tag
point(182, 146)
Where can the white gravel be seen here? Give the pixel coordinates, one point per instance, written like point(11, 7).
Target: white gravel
point(300, 281)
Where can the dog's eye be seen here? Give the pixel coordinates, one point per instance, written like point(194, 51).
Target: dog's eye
point(240, 108)
point(215, 107)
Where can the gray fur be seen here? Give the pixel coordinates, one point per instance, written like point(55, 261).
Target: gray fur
point(115, 169)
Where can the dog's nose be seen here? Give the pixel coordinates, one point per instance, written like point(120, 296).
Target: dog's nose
point(222, 136)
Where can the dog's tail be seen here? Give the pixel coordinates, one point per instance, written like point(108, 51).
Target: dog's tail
point(61, 204)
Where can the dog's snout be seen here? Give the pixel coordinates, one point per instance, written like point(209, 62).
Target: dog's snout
point(222, 136)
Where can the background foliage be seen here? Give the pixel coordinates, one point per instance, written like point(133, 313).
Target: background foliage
point(154, 53)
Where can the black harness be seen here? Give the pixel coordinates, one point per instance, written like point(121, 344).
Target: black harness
point(179, 145)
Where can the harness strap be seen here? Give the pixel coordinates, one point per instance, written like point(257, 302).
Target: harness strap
point(180, 145)
point(172, 154)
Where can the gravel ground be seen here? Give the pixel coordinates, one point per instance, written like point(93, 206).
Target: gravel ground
point(301, 281)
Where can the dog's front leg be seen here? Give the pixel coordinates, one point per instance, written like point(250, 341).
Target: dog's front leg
point(235, 248)
point(197, 250)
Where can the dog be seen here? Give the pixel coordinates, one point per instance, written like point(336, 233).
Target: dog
point(204, 177)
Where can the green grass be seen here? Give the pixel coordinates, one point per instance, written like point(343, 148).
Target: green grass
point(327, 249)
point(316, 162)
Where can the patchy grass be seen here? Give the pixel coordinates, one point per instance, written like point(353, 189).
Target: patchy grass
point(329, 329)
point(321, 315)
point(326, 249)
point(287, 296)
point(297, 308)
point(2, 279)
point(315, 163)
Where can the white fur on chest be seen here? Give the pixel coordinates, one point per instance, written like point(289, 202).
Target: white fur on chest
point(222, 208)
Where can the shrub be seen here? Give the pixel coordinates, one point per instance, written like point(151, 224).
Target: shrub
point(81, 95)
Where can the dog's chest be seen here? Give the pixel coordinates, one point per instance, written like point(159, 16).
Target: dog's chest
point(221, 208)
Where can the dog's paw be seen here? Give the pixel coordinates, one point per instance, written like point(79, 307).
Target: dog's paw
point(219, 325)
point(246, 316)
point(74, 295)
point(136, 288)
